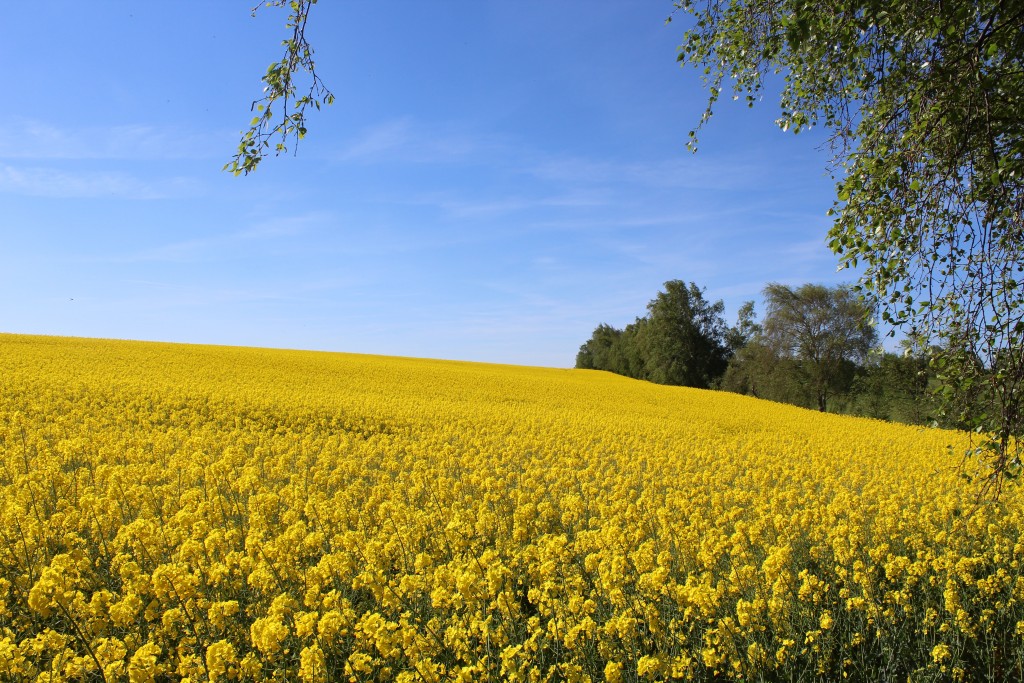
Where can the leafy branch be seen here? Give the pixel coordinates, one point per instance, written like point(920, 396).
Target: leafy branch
point(267, 130)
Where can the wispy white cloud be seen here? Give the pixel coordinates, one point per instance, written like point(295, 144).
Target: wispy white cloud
point(485, 208)
point(491, 207)
point(40, 181)
point(218, 245)
point(688, 172)
point(173, 294)
point(465, 204)
point(809, 254)
point(34, 139)
point(289, 225)
point(557, 179)
point(373, 142)
point(408, 141)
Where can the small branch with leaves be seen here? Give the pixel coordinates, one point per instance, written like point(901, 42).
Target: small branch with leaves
point(269, 131)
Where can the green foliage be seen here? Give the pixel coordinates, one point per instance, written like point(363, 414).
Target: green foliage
point(601, 350)
point(681, 341)
point(827, 330)
point(684, 342)
point(898, 387)
point(809, 350)
point(280, 88)
point(895, 387)
point(745, 330)
point(756, 370)
point(924, 102)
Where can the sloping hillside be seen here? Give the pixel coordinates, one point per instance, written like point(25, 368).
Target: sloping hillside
point(216, 513)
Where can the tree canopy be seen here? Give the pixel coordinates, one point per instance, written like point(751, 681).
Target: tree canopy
point(826, 330)
point(685, 340)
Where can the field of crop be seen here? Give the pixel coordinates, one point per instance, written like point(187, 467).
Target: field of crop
point(176, 512)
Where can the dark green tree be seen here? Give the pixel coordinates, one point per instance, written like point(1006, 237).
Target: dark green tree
point(680, 341)
point(826, 330)
point(745, 330)
point(630, 352)
point(600, 351)
point(756, 370)
point(750, 361)
point(895, 387)
point(684, 342)
point(924, 103)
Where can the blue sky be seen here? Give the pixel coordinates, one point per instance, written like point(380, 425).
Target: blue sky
point(494, 180)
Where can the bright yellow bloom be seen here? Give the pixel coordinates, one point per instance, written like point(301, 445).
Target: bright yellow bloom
point(143, 666)
point(312, 668)
point(220, 660)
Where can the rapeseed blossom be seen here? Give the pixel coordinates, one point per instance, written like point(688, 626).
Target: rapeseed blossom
point(175, 512)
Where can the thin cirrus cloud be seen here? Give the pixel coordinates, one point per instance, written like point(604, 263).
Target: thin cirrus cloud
point(41, 181)
point(669, 173)
point(408, 141)
point(405, 140)
point(34, 139)
point(476, 208)
point(33, 148)
point(223, 245)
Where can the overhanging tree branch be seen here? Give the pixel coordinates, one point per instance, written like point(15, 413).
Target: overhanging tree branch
point(280, 88)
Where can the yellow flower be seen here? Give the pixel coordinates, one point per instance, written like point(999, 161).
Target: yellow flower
point(940, 653)
point(125, 611)
point(143, 665)
point(220, 660)
point(267, 634)
point(219, 613)
point(277, 510)
point(648, 666)
point(312, 668)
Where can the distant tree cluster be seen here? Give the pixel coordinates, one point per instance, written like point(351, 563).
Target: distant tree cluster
point(681, 341)
point(815, 347)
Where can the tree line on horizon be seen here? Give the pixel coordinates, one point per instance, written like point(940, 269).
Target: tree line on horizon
point(815, 347)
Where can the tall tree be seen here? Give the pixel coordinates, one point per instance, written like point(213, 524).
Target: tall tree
point(757, 370)
point(895, 387)
point(629, 355)
point(827, 330)
point(685, 337)
point(924, 102)
point(680, 341)
point(754, 368)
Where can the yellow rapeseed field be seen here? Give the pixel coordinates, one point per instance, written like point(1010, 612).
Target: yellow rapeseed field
point(197, 513)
